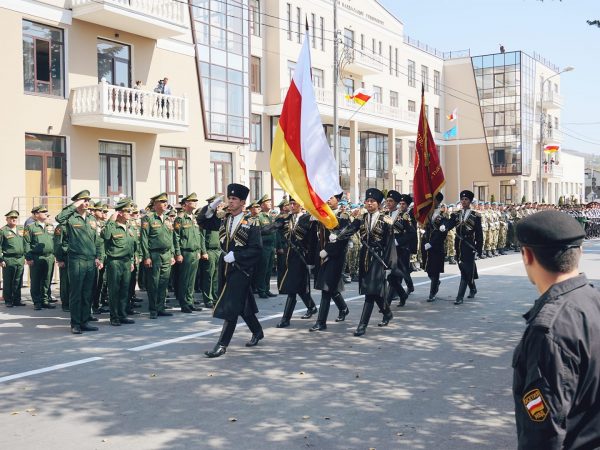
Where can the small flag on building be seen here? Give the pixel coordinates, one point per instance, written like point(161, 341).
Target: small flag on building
point(360, 96)
point(453, 115)
point(450, 133)
point(551, 148)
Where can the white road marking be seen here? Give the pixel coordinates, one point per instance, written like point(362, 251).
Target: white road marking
point(49, 369)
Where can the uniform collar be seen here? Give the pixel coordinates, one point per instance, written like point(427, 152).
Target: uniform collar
point(554, 292)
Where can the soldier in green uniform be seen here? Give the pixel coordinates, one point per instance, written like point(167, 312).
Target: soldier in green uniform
point(12, 251)
point(280, 240)
point(60, 254)
point(191, 249)
point(158, 250)
point(265, 265)
point(100, 297)
point(84, 256)
point(134, 222)
point(209, 282)
point(39, 255)
point(120, 245)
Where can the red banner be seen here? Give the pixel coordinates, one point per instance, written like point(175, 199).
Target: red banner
point(429, 176)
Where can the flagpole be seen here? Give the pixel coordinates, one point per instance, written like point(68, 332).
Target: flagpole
point(457, 158)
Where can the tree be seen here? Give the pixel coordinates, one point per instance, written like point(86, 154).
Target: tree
point(492, 198)
point(523, 200)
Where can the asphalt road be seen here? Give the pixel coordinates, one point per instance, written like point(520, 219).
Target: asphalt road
point(438, 377)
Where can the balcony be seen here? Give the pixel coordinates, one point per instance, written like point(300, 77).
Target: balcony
point(552, 100)
point(120, 108)
point(370, 112)
point(554, 136)
point(552, 171)
point(154, 19)
point(361, 62)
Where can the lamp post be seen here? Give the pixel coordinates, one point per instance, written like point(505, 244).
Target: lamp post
point(542, 119)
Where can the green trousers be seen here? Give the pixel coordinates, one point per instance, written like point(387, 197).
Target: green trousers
point(12, 276)
point(264, 270)
point(186, 272)
point(81, 272)
point(40, 274)
point(210, 281)
point(118, 275)
point(63, 272)
point(157, 280)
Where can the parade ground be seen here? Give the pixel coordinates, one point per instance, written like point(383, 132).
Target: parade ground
point(438, 377)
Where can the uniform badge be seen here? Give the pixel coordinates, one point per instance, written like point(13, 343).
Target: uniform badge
point(57, 231)
point(535, 405)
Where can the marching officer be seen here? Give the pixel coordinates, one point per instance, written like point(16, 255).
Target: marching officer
point(84, 256)
point(265, 266)
point(468, 243)
point(191, 249)
point(433, 246)
point(120, 245)
point(241, 246)
point(158, 247)
point(39, 256)
point(297, 230)
point(12, 258)
point(330, 266)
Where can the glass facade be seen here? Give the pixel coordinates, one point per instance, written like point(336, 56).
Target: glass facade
point(223, 51)
point(344, 145)
point(505, 87)
point(373, 160)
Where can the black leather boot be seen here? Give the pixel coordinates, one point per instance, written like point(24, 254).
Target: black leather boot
point(364, 319)
point(472, 290)
point(384, 308)
point(288, 310)
point(433, 289)
point(462, 288)
point(321, 323)
point(311, 308)
point(342, 307)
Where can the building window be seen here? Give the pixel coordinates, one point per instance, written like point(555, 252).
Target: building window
point(380, 48)
point(344, 146)
point(45, 171)
point(313, 30)
point(173, 173)
point(221, 171)
point(115, 169)
point(374, 44)
point(398, 154)
point(425, 77)
point(322, 36)
point(373, 160)
point(318, 79)
point(391, 67)
point(255, 185)
point(411, 73)
point(396, 62)
point(348, 86)
point(255, 17)
point(393, 99)
point(377, 94)
point(298, 25)
point(411, 153)
point(362, 41)
point(43, 59)
point(436, 119)
point(291, 65)
point(412, 106)
point(255, 84)
point(256, 133)
point(114, 63)
point(289, 21)
point(348, 38)
point(436, 82)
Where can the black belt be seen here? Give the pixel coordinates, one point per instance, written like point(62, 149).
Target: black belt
point(188, 250)
point(13, 255)
point(160, 250)
point(115, 258)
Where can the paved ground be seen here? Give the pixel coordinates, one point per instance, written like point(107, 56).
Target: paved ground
point(438, 377)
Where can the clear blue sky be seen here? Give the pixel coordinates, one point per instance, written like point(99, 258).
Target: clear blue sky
point(556, 30)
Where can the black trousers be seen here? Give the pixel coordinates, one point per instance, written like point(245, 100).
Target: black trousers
point(229, 327)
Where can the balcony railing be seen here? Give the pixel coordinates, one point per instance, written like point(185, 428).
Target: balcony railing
point(120, 108)
point(362, 62)
point(552, 100)
point(151, 18)
point(552, 170)
point(325, 97)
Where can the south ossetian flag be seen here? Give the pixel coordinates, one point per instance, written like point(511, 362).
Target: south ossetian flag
point(301, 159)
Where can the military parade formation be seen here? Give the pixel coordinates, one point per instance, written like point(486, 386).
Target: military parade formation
point(227, 251)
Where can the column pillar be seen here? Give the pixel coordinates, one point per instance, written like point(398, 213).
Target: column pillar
point(391, 181)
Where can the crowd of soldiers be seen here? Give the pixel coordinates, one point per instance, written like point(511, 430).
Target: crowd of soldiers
point(102, 260)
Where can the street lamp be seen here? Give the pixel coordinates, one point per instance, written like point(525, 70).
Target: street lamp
point(542, 118)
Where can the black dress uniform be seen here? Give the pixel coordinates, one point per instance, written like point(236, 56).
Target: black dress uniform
point(235, 299)
point(433, 250)
point(295, 279)
point(468, 242)
point(556, 384)
point(405, 240)
point(330, 269)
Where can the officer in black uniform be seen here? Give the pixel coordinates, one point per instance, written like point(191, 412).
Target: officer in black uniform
point(556, 384)
point(241, 245)
point(468, 243)
point(295, 279)
point(433, 249)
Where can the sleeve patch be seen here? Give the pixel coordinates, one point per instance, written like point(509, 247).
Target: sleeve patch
point(535, 405)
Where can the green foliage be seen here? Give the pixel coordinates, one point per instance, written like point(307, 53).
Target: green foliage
point(492, 198)
point(523, 199)
point(561, 201)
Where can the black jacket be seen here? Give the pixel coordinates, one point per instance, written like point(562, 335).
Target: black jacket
point(556, 384)
point(295, 276)
point(330, 269)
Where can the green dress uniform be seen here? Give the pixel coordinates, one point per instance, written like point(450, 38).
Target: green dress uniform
point(209, 275)
point(265, 265)
point(120, 242)
point(190, 247)
point(84, 248)
point(136, 274)
point(12, 251)
point(60, 254)
point(39, 248)
point(158, 245)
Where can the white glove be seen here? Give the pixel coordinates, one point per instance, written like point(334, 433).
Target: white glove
point(428, 245)
point(312, 218)
point(310, 267)
point(216, 202)
point(323, 254)
point(442, 228)
point(229, 258)
point(332, 237)
point(350, 244)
